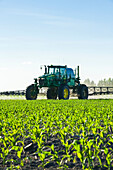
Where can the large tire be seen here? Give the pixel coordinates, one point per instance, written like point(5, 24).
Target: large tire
point(64, 92)
point(51, 93)
point(30, 95)
point(82, 92)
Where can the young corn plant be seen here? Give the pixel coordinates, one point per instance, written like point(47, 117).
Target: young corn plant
point(89, 154)
point(79, 154)
point(109, 159)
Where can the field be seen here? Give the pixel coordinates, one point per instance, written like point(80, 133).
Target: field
point(54, 134)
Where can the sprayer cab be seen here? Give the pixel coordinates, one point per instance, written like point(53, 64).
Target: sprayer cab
point(59, 80)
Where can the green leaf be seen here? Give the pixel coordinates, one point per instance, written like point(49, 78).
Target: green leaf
point(52, 147)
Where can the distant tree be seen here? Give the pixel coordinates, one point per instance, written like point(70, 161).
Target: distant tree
point(101, 83)
point(92, 83)
point(105, 82)
point(89, 83)
point(111, 82)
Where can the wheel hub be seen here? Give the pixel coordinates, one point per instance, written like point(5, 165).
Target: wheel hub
point(65, 93)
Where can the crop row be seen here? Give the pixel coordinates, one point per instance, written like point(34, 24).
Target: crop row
point(75, 134)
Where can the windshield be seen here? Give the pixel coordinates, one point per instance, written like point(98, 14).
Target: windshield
point(62, 71)
point(53, 70)
point(59, 72)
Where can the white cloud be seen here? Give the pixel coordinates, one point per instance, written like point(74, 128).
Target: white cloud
point(39, 15)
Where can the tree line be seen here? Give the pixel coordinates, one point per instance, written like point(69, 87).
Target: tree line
point(104, 82)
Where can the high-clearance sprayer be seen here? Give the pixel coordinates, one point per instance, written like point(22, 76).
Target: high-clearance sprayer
point(59, 80)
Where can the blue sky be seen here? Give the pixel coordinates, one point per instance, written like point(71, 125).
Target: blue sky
point(68, 32)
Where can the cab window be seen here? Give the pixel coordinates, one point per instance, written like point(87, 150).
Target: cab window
point(70, 73)
point(62, 71)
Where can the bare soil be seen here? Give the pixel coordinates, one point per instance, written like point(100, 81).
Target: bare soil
point(33, 162)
